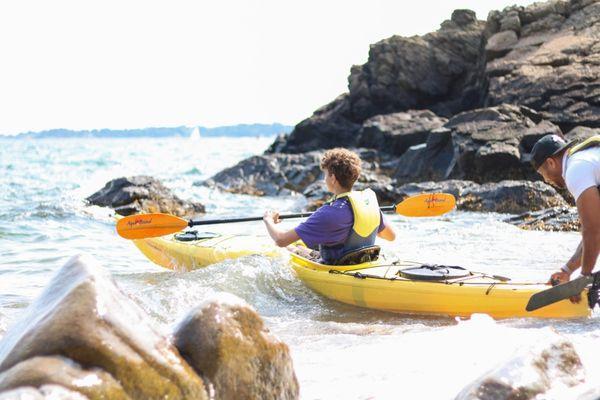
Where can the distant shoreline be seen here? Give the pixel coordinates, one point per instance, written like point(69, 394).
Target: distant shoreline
point(241, 130)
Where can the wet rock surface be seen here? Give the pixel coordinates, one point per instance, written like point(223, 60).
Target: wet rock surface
point(555, 219)
point(82, 316)
point(138, 194)
point(530, 374)
point(228, 344)
point(82, 338)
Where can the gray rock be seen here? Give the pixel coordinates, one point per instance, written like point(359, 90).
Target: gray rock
point(554, 66)
point(395, 133)
point(137, 194)
point(500, 44)
point(529, 374)
point(511, 21)
point(227, 342)
point(513, 197)
point(580, 133)
point(556, 219)
point(84, 317)
point(435, 71)
point(330, 126)
point(269, 174)
point(276, 174)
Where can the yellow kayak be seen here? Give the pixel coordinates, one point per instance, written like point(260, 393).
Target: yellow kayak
point(181, 253)
point(378, 285)
point(385, 286)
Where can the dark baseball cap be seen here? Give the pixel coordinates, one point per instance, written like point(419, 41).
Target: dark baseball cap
point(548, 146)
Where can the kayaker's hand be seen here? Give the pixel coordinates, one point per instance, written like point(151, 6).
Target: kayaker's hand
point(562, 277)
point(271, 216)
point(559, 277)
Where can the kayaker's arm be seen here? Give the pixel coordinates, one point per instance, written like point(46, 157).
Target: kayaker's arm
point(280, 237)
point(387, 233)
point(588, 206)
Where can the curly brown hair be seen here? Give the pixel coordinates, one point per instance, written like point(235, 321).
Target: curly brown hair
point(343, 164)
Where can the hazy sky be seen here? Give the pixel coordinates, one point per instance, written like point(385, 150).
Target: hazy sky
point(133, 64)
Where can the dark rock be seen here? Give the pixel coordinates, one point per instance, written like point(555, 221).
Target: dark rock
point(512, 197)
point(581, 133)
point(529, 374)
point(556, 219)
point(227, 343)
point(500, 44)
point(484, 145)
point(511, 21)
point(275, 174)
point(40, 371)
point(533, 134)
point(435, 160)
point(270, 174)
point(553, 66)
point(435, 71)
point(84, 317)
point(137, 194)
point(395, 133)
point(328, 127)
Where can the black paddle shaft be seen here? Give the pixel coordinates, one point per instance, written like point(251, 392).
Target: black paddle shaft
point(247, 219)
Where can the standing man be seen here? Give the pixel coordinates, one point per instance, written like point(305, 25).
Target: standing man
point(578, 169)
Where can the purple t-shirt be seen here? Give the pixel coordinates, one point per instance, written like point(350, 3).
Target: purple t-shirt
point(330, 225)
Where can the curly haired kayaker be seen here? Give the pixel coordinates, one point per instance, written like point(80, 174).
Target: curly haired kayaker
point(349, 222)
point(576, 167)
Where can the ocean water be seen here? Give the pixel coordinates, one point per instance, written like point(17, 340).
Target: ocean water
point(339, 351)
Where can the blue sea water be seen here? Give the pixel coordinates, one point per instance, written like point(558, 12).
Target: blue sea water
point(339, 351)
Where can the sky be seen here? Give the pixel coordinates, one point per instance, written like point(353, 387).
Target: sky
point(125, 64)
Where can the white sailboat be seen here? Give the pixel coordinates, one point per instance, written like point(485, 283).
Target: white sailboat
point(195, 135)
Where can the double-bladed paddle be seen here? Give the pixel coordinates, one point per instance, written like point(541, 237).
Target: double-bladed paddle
point(142, 226)
point(559, 292)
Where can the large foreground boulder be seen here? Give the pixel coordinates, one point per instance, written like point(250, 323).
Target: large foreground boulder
point(529, 374)
point(137, 194)
point(228, 344)
point(83, 326)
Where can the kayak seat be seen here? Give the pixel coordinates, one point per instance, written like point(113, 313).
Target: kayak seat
point(360, 256)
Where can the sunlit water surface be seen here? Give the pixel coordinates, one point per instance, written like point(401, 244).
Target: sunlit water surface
point(339, 351)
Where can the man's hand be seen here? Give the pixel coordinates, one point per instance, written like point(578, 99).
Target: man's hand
point(271, 216)
point(559, 277)
point(562, 277)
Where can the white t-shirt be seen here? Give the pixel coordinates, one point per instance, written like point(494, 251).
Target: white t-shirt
point(582, 170)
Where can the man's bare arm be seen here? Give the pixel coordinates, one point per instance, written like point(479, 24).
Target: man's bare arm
point(588, 206)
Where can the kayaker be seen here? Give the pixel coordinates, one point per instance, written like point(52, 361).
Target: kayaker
point(576, 167)
point(347, 223)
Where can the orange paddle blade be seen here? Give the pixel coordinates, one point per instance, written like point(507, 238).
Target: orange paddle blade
point(427, 205)
point(143, 226)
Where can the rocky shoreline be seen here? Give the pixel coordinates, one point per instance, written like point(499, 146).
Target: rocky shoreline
point(467, 103)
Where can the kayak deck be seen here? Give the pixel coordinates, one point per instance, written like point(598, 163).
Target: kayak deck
point(378, 285)
point(173, 254)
